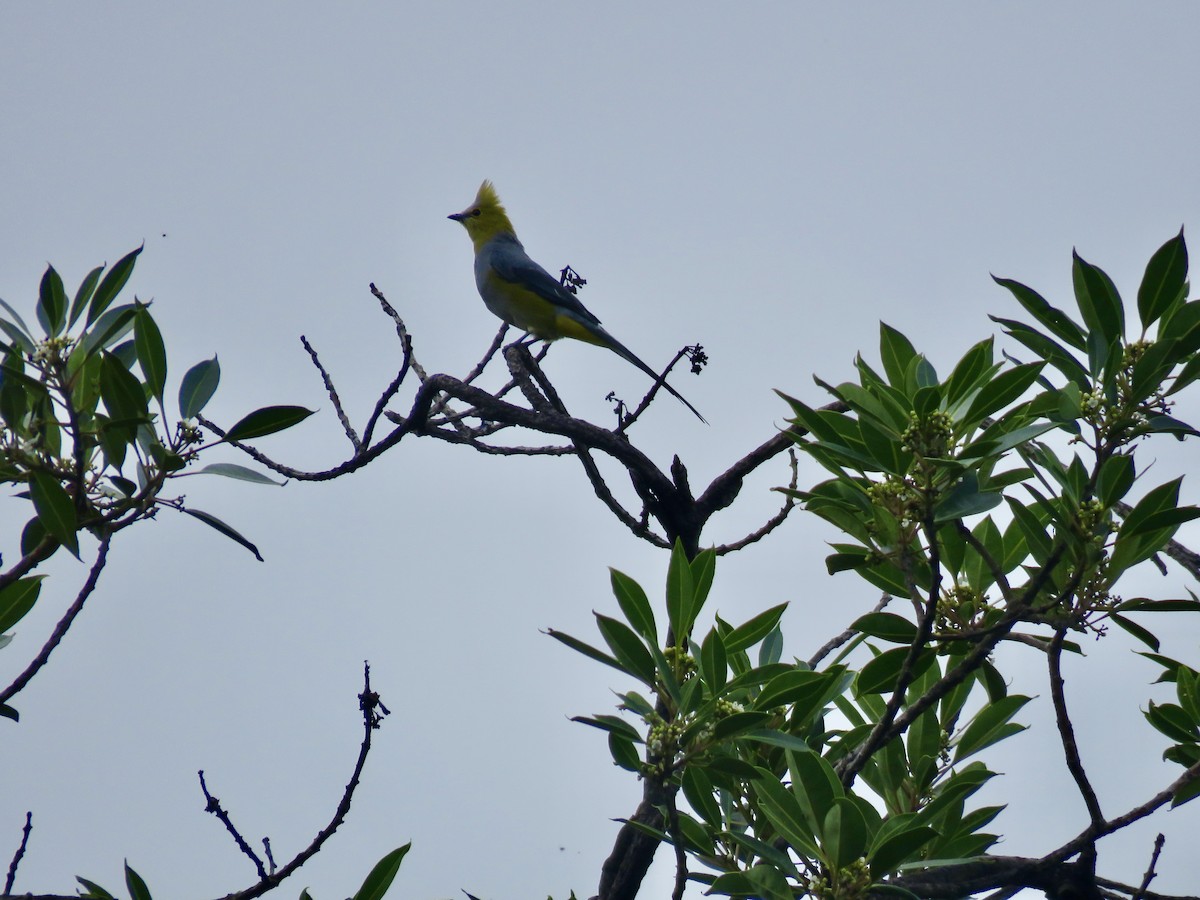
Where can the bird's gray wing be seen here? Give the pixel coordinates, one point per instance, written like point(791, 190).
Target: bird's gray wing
point(510, 261)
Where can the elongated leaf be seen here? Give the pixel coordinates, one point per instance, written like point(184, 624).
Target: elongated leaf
point(213, 522)
point(714, 662)
point(108, 329)
point(151, 352)
point(786, 814)
point(1165, 281)
point(18, 322)
point(52, 303)
point(844, 833)
point(1004, 389)
point(17, 599)
point(122, 393)
point(198, 385)
point(887, 626)
point(137, 887)
point(790, 687)
point(112, 284)
point(84, 295)
point(268, 420)
point(896, 353)
point(990, 725)
point(1098, 300)
point(613, 724)
point(55, 510)
point(965, 499)
point(1059, 323)
point(750, 633)
point(628, 649)
point(93, 890)
point(233, 470)
point(635, 605)
point(586, 649)
point(376, 884)
point(680, 593)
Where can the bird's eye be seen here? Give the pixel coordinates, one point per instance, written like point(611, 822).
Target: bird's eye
point(476, 212)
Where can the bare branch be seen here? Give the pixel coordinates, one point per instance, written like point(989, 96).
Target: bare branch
point(213, 805)
point(333, 395)
point(16, 860)
point(1066, 730)
point(64, 624)
point(373, 712)
point(1150, 873)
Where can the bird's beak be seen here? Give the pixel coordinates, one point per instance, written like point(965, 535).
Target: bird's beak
point(457, 217)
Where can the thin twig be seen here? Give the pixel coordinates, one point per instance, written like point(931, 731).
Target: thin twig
point(213, 805)
point(835, 642)
point(1144, 887)
point(373, 712)
point(64, 624)
point(16, 860)
point(333, 395)
point(1066, 730)
point(775, 521)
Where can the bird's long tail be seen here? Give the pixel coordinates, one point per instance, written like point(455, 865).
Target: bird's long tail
point(628, 355)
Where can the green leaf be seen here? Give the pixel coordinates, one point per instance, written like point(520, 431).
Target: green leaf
point(886, 626)
point(1172, 721)
point(112, 284)
point(628, 649)
point(17, 599)
point(790, 687)
point(108, 329)
point(965, 499)
point(18, 323)
point(233, 470)
point(151, 353)
point(1002, 390)
point(1165, 281)
point(1098, 300)
point(93, 890)
point(198, 385)
point(624, 753)
point(52, 303)
point(814, 785)
point(844, 833)
point(55, 510)
point(896, 352)
point(213, 522)
point(586, 649)
point(268, 420)
point(714, 662)
point(699, 789)
point(84, 294)
point(990, 725)
point(751, 632)
point(611, 724)
point(880, 674)
point(380, 878)
point(635, 605)
point(121, 392)
point(1059, 323)
point(680, 594)
point(1116, 478)
point(786, 814)
point(137, 887)
point(898, 847)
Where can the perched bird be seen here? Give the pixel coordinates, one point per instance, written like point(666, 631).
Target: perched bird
point(523, 294)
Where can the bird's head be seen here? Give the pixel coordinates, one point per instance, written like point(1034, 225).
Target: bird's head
point(485, 217)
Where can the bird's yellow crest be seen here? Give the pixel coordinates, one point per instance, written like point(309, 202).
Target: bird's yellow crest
point(485, 217)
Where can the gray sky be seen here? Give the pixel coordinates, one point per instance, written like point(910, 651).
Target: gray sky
point(770, 182)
